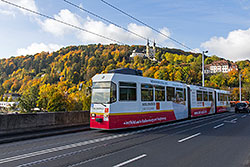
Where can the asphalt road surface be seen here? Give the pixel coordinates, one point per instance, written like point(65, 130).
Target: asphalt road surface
point(214, 141)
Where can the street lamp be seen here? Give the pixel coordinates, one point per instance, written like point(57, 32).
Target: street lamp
point(203, 77)
point(240, 85)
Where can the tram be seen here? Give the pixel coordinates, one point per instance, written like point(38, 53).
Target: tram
point(123, 98)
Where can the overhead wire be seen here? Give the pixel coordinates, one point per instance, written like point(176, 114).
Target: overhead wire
point(145, 24)
point(106, 20)
point(62, 22)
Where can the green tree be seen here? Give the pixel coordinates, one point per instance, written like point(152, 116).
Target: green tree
point(178, 76)
point(57, 102)
point(5, 98)
point(28, 101)
point(52, 98)
point(86, 101)
point(169, 57)
point(190, 58)
point(10, 99)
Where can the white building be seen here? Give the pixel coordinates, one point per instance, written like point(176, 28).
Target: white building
point(4, 104)
point(135, 53)
point(150, 52)
point(220, 66)
point(13, 95)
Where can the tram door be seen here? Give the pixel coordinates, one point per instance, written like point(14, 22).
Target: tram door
point(189, 102)
point(215, 101)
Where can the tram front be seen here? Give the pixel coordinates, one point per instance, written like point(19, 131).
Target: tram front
point(103, 95)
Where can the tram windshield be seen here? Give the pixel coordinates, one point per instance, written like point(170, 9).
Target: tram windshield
point(103, 92)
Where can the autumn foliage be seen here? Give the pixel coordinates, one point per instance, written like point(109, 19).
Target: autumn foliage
point(61, 80)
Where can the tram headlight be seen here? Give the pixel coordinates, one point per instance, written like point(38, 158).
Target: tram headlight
point(93, 115)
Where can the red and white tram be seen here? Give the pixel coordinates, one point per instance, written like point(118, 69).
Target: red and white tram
point(222, 100)
point(124, 99)
point(202, 101)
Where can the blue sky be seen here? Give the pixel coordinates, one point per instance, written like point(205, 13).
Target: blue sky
point(220, 26)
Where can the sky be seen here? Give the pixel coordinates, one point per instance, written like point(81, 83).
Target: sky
point(220, 26)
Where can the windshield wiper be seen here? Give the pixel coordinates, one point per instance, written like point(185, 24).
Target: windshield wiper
point(103, 104)
point(100, 103)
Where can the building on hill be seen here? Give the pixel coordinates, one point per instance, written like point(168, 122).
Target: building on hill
point(7, 105)
point(13, 95)
point(150, 52)
point(136, 53)
point(220, 66)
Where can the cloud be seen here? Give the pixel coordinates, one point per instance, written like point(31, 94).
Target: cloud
point(234, 47)
point(196, 50)
point(59, 29)
point(245, 4)
point(37, 48)
point(8, 9)
point(7, 12)
point(99, 27)
point(119, 34)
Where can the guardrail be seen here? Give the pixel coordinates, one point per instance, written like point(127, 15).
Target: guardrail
point(23, 122)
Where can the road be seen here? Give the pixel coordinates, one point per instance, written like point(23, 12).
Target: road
point(213, 141)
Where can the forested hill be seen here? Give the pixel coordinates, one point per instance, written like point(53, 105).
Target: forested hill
point(60, 73)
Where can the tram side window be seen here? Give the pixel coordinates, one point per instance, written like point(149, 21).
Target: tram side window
point(199, 95)
point(224, 97)
point(179, 94)
point(159, 93)
point(127, 91)
point(220, 97)
point(170, 94)
point(210, 96)
point(205, 96)
point(113, 93)
point(147, 92)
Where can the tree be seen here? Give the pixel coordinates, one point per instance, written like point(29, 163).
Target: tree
point(5, 98)
point(10, 99)
point(190, 58)
point(169, 57)
point(219, 80)
point(86, 101)
point(1, 90)
point(28, 101)
point(7, 84)
point(178, 76)
point(53, 98)
point(57, 102)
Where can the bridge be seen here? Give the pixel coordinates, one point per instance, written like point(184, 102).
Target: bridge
point(216, 140)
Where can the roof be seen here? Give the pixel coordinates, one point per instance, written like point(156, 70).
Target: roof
point(12, 94)
point(222, 63)
point(128, 71)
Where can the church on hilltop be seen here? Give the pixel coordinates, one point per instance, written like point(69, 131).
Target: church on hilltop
point(150, 52)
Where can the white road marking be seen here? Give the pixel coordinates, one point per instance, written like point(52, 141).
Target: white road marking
point(233, 120)
point(187, 138)
point(32, 154)
point(131, 160)
point(218, 126)
point(60, 148)
point(243, 116)
point(59, 156)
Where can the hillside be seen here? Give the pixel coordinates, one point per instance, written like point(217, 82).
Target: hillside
point(53, 80)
